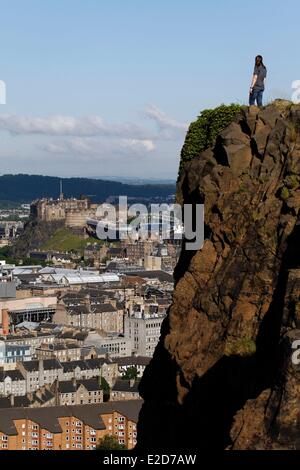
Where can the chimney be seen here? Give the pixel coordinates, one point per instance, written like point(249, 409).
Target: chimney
point(87, 300)
point(5, 321)
point(55, 389)
point(74, 382)
point(41, 373)
point(12, 400)
point(131, 383)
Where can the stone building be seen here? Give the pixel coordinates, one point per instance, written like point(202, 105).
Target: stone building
point(39, 373)
point(62, 351)
point(73, 212)
point(12, 382)
point(143, 331)
point(125, 390)
point(78, 392)
point(88, 312)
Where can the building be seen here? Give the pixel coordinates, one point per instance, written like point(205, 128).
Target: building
point(89, 368)
point(138, 250)
point(139, 362)
point(31, 340)
point(40, 373)
point(18, 310)
point(73, 212)
point(152, 263)
point(125, 390)
point(115, 344)
point(62, 351)
point(78, 392)
point(11, 353)
point(143, 331)
point(12, 382)
point(78, 427)
point(104, 317)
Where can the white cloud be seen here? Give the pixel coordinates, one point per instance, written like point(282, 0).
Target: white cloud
point(91, 138)
point(169, 128)
point(92, 126)
point(69, 126)
point(84, 146)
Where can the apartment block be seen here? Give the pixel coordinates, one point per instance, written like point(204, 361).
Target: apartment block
point(78, 427)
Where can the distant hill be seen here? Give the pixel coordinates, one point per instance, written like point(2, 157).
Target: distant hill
point(136, 180)
point(25, 188)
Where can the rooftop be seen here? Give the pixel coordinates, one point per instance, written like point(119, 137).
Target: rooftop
point(47, 417)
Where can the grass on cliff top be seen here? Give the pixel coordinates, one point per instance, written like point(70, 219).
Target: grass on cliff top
point(202, 133)
point(65, 240)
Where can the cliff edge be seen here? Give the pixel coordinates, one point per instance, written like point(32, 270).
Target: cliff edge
point(222, 375)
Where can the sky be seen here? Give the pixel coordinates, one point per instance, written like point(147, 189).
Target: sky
point(108, 88)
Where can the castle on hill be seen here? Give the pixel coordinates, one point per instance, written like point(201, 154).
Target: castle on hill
point(74, 212)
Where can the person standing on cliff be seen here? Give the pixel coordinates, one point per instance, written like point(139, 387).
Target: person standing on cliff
point(257, 85)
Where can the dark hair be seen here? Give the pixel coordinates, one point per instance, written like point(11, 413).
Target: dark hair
point(260, 59)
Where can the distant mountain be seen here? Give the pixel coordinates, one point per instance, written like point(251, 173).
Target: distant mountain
point(25, 188)
point(136, 180)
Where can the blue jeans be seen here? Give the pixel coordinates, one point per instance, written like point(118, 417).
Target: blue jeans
point(256, 95)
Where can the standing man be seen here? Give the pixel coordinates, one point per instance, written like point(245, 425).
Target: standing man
point(257, 84)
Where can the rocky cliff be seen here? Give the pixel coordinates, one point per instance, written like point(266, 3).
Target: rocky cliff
point(222, 375)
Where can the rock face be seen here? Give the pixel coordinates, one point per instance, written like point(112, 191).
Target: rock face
point(222, 375)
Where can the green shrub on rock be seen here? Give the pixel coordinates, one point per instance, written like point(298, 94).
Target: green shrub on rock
point(203, 132)
point(284, 193)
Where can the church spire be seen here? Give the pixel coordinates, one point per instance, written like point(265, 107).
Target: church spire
point(61, 194)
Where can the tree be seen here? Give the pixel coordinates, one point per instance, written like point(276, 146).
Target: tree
point(106, 389)
point(131, 373)
point(110, 443)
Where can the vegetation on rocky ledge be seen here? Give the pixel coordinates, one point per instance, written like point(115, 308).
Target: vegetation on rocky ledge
point(202, 133)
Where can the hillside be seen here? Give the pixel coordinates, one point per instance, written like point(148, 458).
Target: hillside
point(224, 361)
point(64, 240)
point(25, 188)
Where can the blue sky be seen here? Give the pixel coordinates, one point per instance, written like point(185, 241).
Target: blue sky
point(108, 87)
